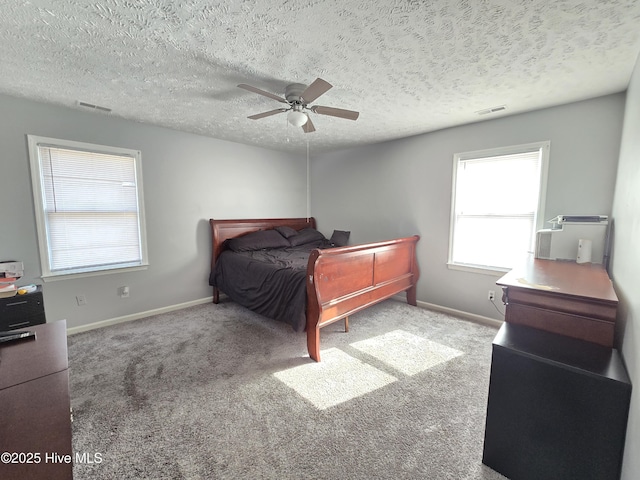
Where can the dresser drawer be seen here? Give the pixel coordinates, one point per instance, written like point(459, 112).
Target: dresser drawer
point(577, 326)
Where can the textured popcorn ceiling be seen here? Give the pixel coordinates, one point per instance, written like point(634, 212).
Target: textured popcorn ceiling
point(409, 66)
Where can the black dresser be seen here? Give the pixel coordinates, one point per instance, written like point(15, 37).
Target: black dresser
point(557, 407)
point(22, 311)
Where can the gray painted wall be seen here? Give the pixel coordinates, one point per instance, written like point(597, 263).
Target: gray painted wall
point(382, 191)
point(625, 264)
point(404, 187)
point(187, 180)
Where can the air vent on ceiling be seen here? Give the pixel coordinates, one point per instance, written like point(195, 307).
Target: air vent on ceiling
point(492, 110)
point(94, 107)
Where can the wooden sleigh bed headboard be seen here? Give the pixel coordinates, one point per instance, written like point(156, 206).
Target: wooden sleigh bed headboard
point(223, 230)
point(340, 281)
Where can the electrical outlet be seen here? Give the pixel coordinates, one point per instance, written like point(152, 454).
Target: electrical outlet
point(82, 300)
point(123, 292)
point(491, 295)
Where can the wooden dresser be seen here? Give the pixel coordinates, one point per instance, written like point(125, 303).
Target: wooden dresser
point(35, 421)
point(559, 393)
point(563, 297)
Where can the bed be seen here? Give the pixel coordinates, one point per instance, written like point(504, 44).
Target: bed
point(304, 280)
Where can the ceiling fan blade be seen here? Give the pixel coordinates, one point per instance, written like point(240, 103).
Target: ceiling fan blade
point(336, 112)
point(258, 116)
point(261, 92)
point(308, 127)
point(317, 88)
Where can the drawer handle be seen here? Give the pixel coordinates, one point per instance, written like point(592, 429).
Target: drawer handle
point(16, 303)
point(17, 325)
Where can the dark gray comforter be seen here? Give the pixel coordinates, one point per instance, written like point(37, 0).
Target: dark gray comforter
point(270, 282)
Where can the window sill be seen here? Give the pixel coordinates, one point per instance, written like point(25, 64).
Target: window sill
point(93, 273)
point(486, 270)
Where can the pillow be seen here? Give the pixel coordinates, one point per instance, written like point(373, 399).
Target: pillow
point(257, 241)
point(340, 238)
point(306, 235)
point(286, 232)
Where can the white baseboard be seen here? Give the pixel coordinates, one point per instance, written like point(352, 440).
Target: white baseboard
point(136, 316)
point(492, 322)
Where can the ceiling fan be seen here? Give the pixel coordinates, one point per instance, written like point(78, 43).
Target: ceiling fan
point(298, 97)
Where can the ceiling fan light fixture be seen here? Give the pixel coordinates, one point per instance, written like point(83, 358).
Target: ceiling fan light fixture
point(297, 118)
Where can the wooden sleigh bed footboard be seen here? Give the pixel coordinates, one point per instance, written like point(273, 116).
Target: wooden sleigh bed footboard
point(339, 281)
point(342, 281)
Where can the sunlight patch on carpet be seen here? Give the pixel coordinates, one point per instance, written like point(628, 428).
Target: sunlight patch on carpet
point(408, 353)
point(338, 378)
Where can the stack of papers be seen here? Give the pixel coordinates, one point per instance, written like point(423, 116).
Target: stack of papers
point(7, 287)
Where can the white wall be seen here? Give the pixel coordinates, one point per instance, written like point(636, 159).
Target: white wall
point(403, 187)
point(625, 264)
point(187, 180)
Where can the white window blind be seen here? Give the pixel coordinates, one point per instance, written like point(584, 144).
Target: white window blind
point(90, 203)
point(496, 201)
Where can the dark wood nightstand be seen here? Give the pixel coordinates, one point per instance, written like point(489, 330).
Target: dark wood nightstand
point(22, 311)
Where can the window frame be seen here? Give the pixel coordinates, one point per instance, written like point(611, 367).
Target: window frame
point(539, 215)
point(37, 180)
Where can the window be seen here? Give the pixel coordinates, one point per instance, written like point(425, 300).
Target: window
point(497, 206)
point(89, 208)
